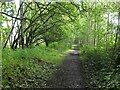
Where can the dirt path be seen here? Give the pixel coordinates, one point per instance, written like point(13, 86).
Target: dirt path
point(70, 74)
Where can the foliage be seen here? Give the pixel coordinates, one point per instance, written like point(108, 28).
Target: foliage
point(62, 45)
point(57, 25)
point(40, 22)
point(100, 69)
point(29, 68)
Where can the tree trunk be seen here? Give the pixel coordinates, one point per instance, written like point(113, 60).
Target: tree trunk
point(117, 41)
point(22, 24)
point(89, 26)
point(95, 26)
point(118, 57)
point(107, 33)
point(46, 42)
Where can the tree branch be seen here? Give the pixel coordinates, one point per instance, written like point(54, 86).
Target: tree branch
point(13, 16)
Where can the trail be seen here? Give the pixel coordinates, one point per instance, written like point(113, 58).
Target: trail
point(70, 73)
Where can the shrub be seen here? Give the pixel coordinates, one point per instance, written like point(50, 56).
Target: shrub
point(100, 70)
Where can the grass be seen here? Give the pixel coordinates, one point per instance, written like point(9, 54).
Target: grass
point(29, 67)
point(46, 54)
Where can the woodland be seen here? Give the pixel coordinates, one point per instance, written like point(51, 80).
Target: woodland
point(35, 37)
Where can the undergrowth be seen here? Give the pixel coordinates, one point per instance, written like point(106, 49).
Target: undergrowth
point(101, 70)
point(29, 68)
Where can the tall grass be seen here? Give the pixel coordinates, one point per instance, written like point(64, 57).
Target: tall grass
point(29, 67)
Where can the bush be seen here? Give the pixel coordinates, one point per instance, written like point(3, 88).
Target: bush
point(100, 69)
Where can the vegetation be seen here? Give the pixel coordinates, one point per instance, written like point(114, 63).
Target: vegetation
point(30, 66)
point(36, 35)
point(101, 70)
